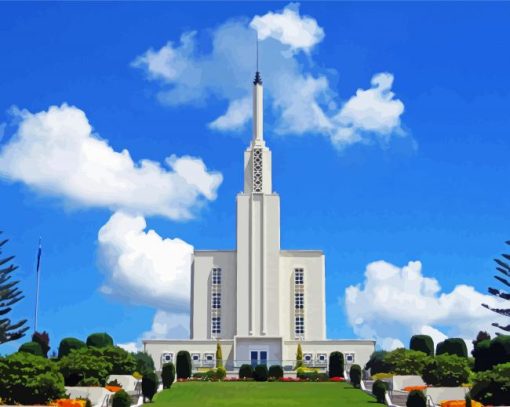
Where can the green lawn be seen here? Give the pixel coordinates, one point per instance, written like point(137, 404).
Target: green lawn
point(220, 394)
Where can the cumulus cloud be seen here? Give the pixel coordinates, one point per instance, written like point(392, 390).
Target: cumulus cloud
point(288, 27)
point(143, 268)
point(57, 153)
point(298, 91)
point(394, 303)
point(168, 325)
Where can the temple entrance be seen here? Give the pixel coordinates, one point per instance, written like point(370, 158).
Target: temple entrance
point(258, 357)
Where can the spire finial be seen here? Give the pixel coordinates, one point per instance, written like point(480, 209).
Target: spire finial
point(258, 79)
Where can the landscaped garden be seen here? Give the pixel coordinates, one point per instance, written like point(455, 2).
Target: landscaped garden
point(250, 393)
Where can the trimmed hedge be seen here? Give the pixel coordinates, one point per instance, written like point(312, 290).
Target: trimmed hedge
point(447, 371)
point(168, 375)
point(149, 385)
point(336, 364)
point(246, 372)
point(416, 398)
point(31, 347)
point(99, 340)
point(355, 375)
point(260, 373)
point(482, 355)
point(275, 371)
point(452, 346)
point(183, 362)
point(500, 349)
point(69, 344)
point(422, 343)
point(379, 389)
point(377, 364)
point(121, 399)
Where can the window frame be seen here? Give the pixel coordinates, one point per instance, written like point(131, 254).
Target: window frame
point(216, 329)
point(216, 276)
point(299, 276)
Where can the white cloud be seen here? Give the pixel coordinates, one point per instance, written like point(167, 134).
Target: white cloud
point(57, 153)
point(130, 346)
point(143, 268)
point(298, 93)
point(236, 116)
point(395, 303)
point(168, 325)
point(289, 28)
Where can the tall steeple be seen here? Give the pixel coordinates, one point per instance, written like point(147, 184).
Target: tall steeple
point(258, 110)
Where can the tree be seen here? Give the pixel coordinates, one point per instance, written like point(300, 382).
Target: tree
point(355, 375)
point(183, 367)
point(10, 294)
point(31, 347)
point(299, 356)
point(69, 344)
point(219, 356)
point(422, 343)
point(85, 363)
point(336, 364)
point(376, 363)
point(453, 346)
point(43, 339)
point(504, 268)
point(168, 375)
point(144, 362)
point(99, 340)
point(150, 384)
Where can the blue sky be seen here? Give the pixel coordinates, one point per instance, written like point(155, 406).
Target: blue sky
point(429, 187)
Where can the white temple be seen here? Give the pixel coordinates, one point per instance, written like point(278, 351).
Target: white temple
point(258, 301)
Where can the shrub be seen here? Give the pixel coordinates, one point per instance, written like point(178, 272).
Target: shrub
point(84, 363)
point(121, 399)
point(380, 376)
point(416, 398)
point(447, 370)
point(482, 355)
point(69, 344)
point(89, 382)
point(492, 387)
point(355, 375)
point(219, 356)
point(43, 339)
point(144, 362)
point(183, 364)
point(31, 347)
point(99, 340)
point(29, 379)
point(468, 400)
point(312, 375)
point(245, 372)
point(260, 373)
point(406, 362)
point(123, 362)
point(168, 375)
point(336, 364)
point(275, 371)
point(299, 356)
point(220, 373)
point(452, 346)
point(379, 389)
point(377, 364)
point(500, 349)
point(422, 343)
point(114, 383)
point(149, 385)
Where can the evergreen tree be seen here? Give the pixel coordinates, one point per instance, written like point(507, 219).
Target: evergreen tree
point(299, 356)
point(10, 294)
point(504, 268)
point(219, 356)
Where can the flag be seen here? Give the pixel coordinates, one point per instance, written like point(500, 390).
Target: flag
point(39, 252)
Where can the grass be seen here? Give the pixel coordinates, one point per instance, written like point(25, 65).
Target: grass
point(275, 394)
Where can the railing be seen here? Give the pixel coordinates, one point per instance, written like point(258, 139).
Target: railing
point(287, 365)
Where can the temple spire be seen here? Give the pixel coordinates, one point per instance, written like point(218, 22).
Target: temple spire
point(258, 106)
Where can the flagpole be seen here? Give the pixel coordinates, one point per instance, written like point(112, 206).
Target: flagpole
point(37, 272)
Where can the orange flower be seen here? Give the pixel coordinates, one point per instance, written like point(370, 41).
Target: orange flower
point(113, 389)
point(459, 403)
point(69, 403)
point(411, 388)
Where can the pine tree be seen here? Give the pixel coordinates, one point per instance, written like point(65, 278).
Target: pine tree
point(504, 268)
point(10, 294)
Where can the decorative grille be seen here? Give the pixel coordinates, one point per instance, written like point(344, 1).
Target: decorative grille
point(257, 170)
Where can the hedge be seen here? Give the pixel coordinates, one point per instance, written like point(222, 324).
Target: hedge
point(416, 398)
point(149, 385)
point(336, 364)
point(492, 387)
point(168, 375)
point(121, 399)
point(452, 346)
point(246, 372)
point(69, 344)
point(99, 340)
point(260, 373)
point(447, 371)
point(275, 371)
point(183, 364)
point(377, 364)
point(355, 375)
point(422, 343)
point(379, 389)
point(144, 362)
point(31, 347)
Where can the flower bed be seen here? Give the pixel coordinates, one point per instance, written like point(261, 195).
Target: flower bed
point(411, 388)
point(69, 403)
point(460, 403)
point(113, 389)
